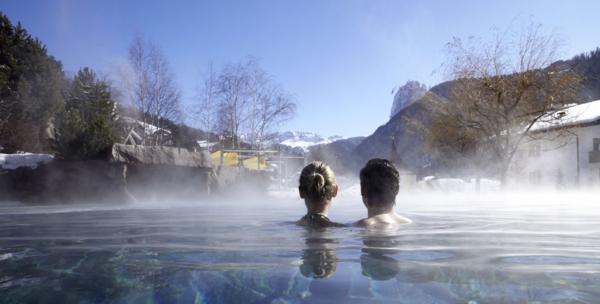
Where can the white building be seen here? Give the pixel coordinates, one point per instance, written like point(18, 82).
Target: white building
point(564, 152)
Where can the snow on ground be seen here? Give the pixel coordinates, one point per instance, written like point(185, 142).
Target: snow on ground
point(31, 160)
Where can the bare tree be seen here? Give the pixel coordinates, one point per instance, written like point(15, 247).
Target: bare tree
point(233, 88)
point(250, 103)
point(273, 108)
point(500, 90)
point(269, 105)
point(205, 109)
point(154, 92)
point(137, 80)
point(258, 85)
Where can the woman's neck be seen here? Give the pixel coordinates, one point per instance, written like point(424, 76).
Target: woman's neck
point(320, 208)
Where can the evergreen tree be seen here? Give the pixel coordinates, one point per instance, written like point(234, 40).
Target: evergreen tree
point(85, 128)
point(588, 66)
point(30, 89)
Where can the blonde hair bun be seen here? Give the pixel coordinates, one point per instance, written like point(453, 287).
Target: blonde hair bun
point(317, 181)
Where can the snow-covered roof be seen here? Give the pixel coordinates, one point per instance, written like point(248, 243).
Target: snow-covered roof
point(206, 144)
point(571, 116)
point(31, 160)
point(149, 129)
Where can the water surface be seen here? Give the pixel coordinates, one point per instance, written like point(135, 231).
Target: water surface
point(460, 249)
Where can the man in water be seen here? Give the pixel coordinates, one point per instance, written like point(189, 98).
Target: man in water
point(379, 185)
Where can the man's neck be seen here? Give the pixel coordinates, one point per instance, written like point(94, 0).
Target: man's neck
point(379, 211)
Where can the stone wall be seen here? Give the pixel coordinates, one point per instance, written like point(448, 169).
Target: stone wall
point(168, 182)
point(67, 182)
point(97, 181)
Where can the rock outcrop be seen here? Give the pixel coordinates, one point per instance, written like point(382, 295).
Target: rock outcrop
point(160, 155)
point(67, 182)
point(406, 95)
point(132, 173)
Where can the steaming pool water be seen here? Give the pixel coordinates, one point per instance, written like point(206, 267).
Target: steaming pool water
point(496, 248)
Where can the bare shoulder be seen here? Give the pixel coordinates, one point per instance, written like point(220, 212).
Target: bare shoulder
point(368, 222)
point(383, 221)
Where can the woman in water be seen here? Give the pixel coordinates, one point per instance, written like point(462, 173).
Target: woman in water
point(317, 188)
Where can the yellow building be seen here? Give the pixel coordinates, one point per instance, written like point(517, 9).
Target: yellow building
point(232, 159)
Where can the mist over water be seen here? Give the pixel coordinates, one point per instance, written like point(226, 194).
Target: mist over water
point(482, 247)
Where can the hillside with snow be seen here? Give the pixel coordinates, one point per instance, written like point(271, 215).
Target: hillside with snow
point(303, 140)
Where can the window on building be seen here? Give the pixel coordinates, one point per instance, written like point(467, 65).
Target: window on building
point(535, 177)
point(534, 149)
point(595, 153)
point(560, 178)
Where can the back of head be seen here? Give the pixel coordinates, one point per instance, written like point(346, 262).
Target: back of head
point(379, 182)
point(317, 182)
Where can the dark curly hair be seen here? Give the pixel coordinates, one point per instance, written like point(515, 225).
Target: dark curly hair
point(379, 182)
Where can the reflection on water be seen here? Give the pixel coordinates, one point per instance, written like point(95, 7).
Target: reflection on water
point(318, 259)
point(376, 262)
point(454, 252)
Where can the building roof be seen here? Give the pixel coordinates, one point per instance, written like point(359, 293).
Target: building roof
point(206, 144)
point(581, 114)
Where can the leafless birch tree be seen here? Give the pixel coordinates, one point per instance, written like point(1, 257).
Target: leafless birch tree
point(154, 92)
point(206, 102)
point(269, 106)
point(250, 104)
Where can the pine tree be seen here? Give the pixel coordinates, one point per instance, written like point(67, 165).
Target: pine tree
point(588, 66)
point(30, 89)
point(85, 128)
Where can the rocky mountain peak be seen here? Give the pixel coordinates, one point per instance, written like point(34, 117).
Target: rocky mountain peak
point(406, 95)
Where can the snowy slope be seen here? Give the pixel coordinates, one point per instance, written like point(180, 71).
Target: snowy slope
point(303, 140)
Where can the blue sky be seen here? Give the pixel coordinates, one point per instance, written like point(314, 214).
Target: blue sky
point(340, 59)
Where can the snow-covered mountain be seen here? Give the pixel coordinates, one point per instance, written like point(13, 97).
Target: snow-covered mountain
point(303, 140)
point(407, 95)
